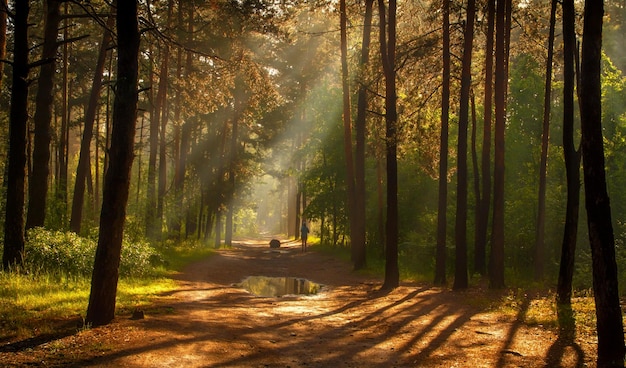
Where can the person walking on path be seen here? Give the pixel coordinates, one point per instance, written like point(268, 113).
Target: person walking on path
point(304, 233)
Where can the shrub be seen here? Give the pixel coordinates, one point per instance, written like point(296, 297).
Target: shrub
point(58, 252)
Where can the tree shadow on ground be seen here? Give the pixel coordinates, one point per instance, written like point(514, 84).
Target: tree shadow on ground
point(364, 325)
point(62, 329)
point(566, 339)
point(210, 321)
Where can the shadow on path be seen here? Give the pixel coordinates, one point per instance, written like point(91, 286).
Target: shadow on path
point(566, 340)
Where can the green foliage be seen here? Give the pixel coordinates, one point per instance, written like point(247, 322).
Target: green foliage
point(33, 302)
point(53, 287)
point(58, 252)
point(65, 253)
point(177, 254)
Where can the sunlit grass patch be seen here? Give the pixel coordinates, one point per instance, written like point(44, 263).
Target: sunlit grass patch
point(135, 293)
point(542, 311)
point(177, 255)
point(31, 302)
point(27, 301)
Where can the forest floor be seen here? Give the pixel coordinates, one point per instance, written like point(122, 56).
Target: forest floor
point(211, 321)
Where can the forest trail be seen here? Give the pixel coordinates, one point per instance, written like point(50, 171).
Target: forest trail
point(210, 321)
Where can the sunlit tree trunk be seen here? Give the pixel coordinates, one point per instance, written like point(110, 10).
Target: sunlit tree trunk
point(543, 166)
point(13, 252)
point(220, 193)
point(90, 117)
point(101, 309)
point(605, 286)
point(38, 181)
point(571, 156)
point(442, 204)
point(239, 104)
point(388, 55)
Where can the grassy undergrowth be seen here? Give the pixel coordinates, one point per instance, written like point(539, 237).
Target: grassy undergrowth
point(41, 296)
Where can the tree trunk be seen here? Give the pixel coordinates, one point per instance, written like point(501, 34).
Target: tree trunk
point(358, 242)
point(442, 203)
point(474, 155)
point(482, 220)
point(38, 181)
point(388, 55)
point(239, 103)
point(380, 206)
point(571, 156)
point(218, 229)
point(101, 309)
point(18, 116)
point(605, 286)
point(3, 36)
point(540, 256)
point(496, 269)
point(152, 156)
point(164, 112)
point(185, 139)
point(460, 274)
point(185, 143)
point(347, 133)
point(90, 117)
point(62, 151)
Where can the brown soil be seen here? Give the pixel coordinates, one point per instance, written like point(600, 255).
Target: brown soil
point(211, 322)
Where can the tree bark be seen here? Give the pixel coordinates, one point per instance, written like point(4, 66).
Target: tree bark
point(474, 155)
point(540, 256)
point(179, 162)
point(240, 100)
point(151, 201)
point(13, 253)
point(571, 156)
point(388, 55)
point(442, 203)
point(347, 131)
point(38, 181)
point(461, 280)
point(101, 309)
point(3, 35)
point(62, 151)
point(90, 117)
point(358, 242)
point(482, 220)
point(496, 267)
point(605, 286)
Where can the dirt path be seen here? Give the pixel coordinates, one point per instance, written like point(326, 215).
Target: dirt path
point(212, 322)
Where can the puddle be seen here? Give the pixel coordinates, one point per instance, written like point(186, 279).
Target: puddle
point(278, 286)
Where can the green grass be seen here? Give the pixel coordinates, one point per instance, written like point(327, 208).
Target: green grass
point(177, 256)
point(31, 303)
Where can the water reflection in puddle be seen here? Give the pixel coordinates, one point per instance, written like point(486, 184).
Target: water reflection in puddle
point(278, 286)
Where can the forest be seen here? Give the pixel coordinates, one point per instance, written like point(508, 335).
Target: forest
point(453, 142)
